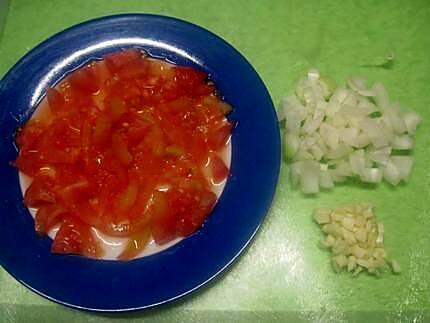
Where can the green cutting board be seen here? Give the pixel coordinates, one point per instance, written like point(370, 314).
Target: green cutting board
point(283, 275)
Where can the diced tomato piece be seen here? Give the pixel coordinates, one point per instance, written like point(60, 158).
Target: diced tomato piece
point(137, 131)
point(189, 79)
point(189, 75)
point(84, 80)
point(85, 135)
point(120, 150)
point(218, 169)
point(47, 217)
point(136, 244)
point(39, 193)
point(73, 193)
point(55, 100)
point(64, 134)
point(75, 237)
point(163, 222)
point(191, 221)
point(116, 107)
point(88, 212)
point(29, 162)
point(217, 139)
point(118, 60)
point(133, 69)
point(28, 135)
point(205, 89)
point(67, 156)
point(102, 129)
point(127, 198)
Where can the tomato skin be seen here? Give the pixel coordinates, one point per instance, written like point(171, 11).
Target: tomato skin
point(73, 193)
point(188, 79)
point(118, 60)
point(29, 162)
point(135, 245)
point(218, 169)
point(29, 134)
point(75, 237)
point(84, 80)
point(47, 217)
point(218, 138)
point(189, 223)
point(55, 100)
point(39, 193)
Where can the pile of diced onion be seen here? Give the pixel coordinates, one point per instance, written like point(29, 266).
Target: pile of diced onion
point(355, 239)
point(338, 132)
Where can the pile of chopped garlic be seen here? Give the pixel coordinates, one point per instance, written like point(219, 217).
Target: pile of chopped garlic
point(355, 239)
point(336, 132)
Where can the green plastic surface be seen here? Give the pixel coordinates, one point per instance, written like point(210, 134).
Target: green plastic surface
point(283, 275)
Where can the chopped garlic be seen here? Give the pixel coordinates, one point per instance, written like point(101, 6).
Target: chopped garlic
point(355, 239)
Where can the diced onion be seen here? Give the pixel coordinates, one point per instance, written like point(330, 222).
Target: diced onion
point(412, 120)
point(353, 130)
point(404, 165)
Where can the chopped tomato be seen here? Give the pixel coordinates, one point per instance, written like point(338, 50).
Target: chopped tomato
point(122, 149)
point(116, 107)
point(73, 193)
point(136, 244)
point(188, 223)
point(55, 100)
point(102, 129)
point(75, 237)
point(39, 193)
point(29, 162)
point(218, 169)
point(84, 80)
point(48, 216)
point(118, 60)
point(189, 79)
point(28, 135)
point(218, 138)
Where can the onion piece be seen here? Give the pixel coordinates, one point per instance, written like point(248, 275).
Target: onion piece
point(291, 144)
point(411, 119)
point(309, 180)
point(381, 96)
point(404, 165)
point(380, 156)
point(371, 175)
point(328, 125)
point(403, 142)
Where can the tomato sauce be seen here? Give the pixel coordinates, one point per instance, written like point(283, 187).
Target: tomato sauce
point(130, 146)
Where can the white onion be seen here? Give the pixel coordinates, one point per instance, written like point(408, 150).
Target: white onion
point(381, 96)
point(349, 136)
point(380, 156)
point(291, 143)
point(403, 142)
point(330, 135)
point(371, 175)
point(337, 127)
point(412, 120)
point(357, 162)
point(404, 165)
point(309, 180)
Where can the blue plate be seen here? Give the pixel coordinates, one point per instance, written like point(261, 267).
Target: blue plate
point(102, 285)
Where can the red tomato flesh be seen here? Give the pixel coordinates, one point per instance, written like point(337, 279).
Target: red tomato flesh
point(123, 150)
